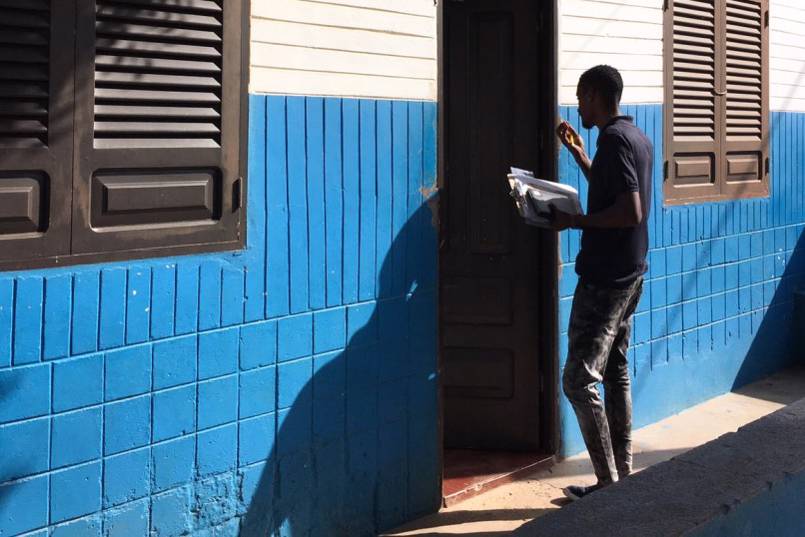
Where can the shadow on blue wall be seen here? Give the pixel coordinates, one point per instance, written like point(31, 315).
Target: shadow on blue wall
point(356, 451)
point(775, 344)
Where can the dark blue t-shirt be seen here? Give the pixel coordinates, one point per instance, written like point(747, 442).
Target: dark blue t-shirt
point(623, 163)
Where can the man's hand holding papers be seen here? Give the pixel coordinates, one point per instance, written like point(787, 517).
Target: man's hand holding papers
point(543, 203)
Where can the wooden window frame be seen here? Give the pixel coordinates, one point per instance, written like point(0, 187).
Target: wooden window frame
point(68, 188)
point(720, 189)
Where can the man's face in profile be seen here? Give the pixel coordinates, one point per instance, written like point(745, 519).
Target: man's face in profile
point(586, 99)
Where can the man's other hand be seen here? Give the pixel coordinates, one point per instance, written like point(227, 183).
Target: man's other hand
point(570, 138)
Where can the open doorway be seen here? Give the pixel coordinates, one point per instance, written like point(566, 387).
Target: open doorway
point(497, 276)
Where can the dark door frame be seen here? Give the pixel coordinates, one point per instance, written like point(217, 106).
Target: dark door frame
point(549, 256)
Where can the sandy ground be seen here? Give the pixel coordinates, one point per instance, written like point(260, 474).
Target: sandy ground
point(499, 511)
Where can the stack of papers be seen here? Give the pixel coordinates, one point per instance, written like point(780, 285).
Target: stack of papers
point(534, 197)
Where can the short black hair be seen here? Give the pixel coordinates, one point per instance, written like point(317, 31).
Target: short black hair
point(604, 80)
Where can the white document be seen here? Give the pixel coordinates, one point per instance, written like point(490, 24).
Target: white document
point(534, 197)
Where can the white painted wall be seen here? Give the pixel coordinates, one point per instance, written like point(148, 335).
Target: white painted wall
point(787, 55)
point(349, 48)
point(627, 34)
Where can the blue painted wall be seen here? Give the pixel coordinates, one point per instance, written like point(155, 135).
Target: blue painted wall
point(717, 301)
point(290, 386)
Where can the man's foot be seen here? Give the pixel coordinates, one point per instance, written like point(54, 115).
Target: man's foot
point(576, 492)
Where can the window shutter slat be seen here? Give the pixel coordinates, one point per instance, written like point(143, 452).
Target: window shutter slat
point(161, 121)
point(745, 114)
point(36, 87)
point(691, 111)
point(162, 67)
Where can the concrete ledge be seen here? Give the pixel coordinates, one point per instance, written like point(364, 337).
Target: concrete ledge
point(745, 483)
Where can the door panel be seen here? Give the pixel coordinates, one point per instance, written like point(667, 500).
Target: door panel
point(489, 271)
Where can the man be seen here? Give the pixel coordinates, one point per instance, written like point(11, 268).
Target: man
point(610, 265)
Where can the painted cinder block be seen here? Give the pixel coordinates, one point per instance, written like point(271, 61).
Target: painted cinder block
point(292, 383)
point(128, 372)
point(174, 412)
point(77, 383)
point(277, 264)
point(209, 299)
point(674, 318)
point(217, 402)
point(58, 305)
point(28, 320)
point(362, 324)
point(254, 308)
point(170, 513)
point(252, 494)
point(217, 353)
point(642, 328)
point(361, 394)
point(232, 295)
point(128, 520)
point(113, 307)
point(76, 437)
point(217, 450)
point(297, 205)
point(175, 361)
point(367, 277)
point(25, 449)
point(659, 323)
point(126, 477)
point(329, 409)
point(295, 337)
point(392, 475)
point(86, 298)
point(258, 389)
point(294, 429)
point(138, 305)
point(163, 300)
point(6, 321)
point(127, 424)
point(24, 506)
point(75, 492)
point(26, 392)
point(187, 296)
point(256, 439)
point(214, 500)
point(258, 344)
point(173, 463)
point(329, 330)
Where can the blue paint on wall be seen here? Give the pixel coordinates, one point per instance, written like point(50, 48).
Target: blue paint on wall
point(717, 303)
point(291, 385)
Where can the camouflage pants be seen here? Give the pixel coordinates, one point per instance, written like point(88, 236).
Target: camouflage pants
point(599, 331)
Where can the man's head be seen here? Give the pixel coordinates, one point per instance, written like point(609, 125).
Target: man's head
point(599, 94)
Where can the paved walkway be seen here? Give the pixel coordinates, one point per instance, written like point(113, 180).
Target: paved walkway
point(499, 511)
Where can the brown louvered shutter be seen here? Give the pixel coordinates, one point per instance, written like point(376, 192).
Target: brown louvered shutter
point(716, 111)
point(691, 108)
point(746, 111)
point(159, 122)
point(36, 129)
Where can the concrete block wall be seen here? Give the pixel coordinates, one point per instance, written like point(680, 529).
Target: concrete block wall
point(289, 388)
point(718, 298)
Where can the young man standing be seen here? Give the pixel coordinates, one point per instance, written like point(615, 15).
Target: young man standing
point(610, 265)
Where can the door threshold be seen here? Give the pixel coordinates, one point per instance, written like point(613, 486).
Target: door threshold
point(468, 473)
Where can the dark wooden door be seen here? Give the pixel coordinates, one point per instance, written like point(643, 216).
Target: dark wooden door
point(490, 279)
